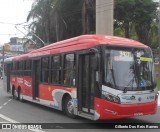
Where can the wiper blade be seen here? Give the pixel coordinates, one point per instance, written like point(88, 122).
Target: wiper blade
point(129, 84)
point(136, 70)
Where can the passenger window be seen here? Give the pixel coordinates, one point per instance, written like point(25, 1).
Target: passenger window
point(69, 70)
point(45, 70)
point(56, 70)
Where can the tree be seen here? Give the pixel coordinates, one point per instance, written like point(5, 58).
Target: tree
point(55, 20)
point(138, 14)
point(41, 15)
point(145, 13)
point(88, 16)
point(124, 14)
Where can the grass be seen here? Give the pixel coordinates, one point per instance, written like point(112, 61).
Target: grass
point(157, 68)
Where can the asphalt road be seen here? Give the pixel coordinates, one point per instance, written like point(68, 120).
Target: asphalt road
point(17, 112)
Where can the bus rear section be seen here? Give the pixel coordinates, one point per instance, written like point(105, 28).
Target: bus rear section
point(99, 80)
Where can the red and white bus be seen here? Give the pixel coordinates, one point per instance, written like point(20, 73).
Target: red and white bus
point(92, 76)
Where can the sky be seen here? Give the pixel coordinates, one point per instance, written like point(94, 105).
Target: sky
point(12, 12)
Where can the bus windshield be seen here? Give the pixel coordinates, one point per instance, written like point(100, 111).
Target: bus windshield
point(129, 69)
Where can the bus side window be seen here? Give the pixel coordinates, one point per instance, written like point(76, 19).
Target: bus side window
point(27, 67)
point(56, 70)
point(69, 70)
point(45, 70)
point(16, 68)
point(21, 68)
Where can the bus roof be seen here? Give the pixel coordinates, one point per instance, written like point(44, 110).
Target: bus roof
point(8, 59)
point(80, 42)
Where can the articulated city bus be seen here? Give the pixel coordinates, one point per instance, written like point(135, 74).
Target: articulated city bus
point(92, 76)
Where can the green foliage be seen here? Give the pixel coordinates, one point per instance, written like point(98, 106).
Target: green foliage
point(119, 31)
point(123, 15)
point(55, 20)
point(124, 10)
point(136, 18)
point(157, 69)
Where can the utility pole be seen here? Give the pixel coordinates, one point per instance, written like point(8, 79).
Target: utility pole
point(104, 17)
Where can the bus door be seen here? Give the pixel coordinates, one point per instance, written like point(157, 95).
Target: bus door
point(86, 83)
point(36, 78)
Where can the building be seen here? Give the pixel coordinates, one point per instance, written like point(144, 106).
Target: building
point(16, 44)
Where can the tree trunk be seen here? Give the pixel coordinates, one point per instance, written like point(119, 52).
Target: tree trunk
point(85, 17)
point(127, 35)
point(57, 27)
point(142, 32)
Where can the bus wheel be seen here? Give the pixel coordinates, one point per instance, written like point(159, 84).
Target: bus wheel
point(15, 94)
point(20, 95)
point(69, 107)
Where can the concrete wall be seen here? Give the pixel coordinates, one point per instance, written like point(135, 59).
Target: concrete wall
point(104, 17)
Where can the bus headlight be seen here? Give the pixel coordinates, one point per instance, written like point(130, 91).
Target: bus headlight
point(156, 97)
point(111, 98)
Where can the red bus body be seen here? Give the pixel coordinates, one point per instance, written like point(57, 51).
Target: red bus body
point(52, 95)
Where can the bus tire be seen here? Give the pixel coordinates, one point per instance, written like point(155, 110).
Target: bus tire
point(14, 94)
point(20, 95)
point(69, 107)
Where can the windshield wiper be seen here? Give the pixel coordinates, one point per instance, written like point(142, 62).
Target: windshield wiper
point(129, 84)
point(134, 68)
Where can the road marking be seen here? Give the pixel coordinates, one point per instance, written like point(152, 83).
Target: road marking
point(9, 100)
point(1, 107)
point(8, 119)
point(13, 121)
point(5, 103)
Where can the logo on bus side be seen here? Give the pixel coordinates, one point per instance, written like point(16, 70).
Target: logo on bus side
point(129, 97)
point(27, 83)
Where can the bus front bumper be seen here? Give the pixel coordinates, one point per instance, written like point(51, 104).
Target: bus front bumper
point(110, 110)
